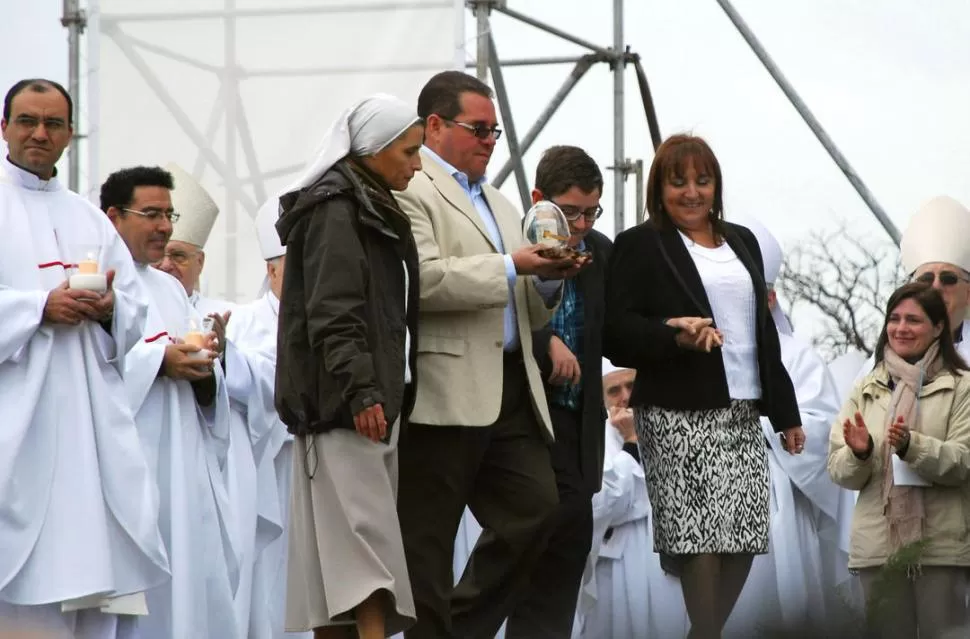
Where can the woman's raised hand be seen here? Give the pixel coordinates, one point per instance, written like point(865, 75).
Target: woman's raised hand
point(856, 435)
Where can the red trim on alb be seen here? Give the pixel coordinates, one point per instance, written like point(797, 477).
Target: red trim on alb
point(62, 264)
point(157, 337)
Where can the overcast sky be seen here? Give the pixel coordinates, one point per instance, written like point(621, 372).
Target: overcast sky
point(887, 79)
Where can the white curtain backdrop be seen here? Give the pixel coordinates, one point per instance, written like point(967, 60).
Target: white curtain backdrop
point(239, 93)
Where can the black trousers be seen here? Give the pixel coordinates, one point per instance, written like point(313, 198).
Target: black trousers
point(503, 474)
point(549, 606)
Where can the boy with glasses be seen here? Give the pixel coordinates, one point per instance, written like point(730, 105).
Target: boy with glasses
point(570, 355)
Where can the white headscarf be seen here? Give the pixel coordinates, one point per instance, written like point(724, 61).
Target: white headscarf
point(364, 129)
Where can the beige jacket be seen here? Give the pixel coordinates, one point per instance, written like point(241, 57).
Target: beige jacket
point(464, 291)
point(940, 453)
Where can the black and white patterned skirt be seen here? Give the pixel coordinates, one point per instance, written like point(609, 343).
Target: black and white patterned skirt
point(707, 478)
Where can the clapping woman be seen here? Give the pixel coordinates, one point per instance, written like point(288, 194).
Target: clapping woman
point(903, 441)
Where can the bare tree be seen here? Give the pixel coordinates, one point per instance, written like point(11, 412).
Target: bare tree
point(847, 278)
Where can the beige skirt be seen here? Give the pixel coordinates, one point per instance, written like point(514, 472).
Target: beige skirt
point(345, 539)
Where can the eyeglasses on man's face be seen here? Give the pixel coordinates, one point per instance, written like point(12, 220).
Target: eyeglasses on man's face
point(179, 258)
point(573, 213)
point(30, 123)
point(947, 278)
point(155, 215)
point(479, 129)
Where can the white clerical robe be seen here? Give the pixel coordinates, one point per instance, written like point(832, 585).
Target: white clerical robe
point(251, 379)
point(187, 446)
point(795, 582)
point(78, 505)
point(241, 476)
point(844, 370)
point(625, 593)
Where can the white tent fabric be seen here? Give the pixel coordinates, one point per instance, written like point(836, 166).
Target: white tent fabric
point(247, 93)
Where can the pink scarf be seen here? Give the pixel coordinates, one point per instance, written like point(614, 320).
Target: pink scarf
point(903, 505)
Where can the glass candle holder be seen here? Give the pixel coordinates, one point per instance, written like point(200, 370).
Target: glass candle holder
point(546, 226)
point(196, 337)
point(87, 275)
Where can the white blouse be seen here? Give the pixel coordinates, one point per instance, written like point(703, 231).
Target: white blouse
point(731, 293)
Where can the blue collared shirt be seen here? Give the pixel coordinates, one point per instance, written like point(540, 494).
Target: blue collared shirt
point(474, 192)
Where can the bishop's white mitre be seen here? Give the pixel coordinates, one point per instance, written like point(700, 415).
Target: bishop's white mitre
point(269, 238)
point(771, 253)
point(772, 256)
point(196, 209)
point(938, 232)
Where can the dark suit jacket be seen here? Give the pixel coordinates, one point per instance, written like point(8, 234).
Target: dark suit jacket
point(591, 284)
point(652, 278)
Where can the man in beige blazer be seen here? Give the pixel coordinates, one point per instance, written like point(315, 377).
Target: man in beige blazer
point(480, 427)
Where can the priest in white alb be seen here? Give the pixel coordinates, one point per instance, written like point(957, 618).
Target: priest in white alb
point(177, 390)
point(79, 536)
point(185, 260)
point(251, 379)
point(789, 588)
point(625, 592)
point(852, 601)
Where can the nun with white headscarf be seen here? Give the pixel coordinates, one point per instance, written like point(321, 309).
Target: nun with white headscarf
point(345, 366)
point(625, 592)
point(793, 586)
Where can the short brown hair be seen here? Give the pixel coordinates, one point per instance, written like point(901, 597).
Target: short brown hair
point(562, 167)
point(37, 85)
point(930, 300)
point(442, 93)
point(671, 159)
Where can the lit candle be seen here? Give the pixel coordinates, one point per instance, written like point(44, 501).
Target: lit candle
point(88, 277)
point(89, 265)
point(194, 336)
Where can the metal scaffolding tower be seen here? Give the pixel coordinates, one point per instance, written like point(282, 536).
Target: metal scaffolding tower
point(617, 56)
point(75, 20)
point(240, 169)
point(488, 61)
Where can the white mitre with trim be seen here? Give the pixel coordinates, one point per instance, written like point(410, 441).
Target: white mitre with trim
point(197, 211)
point(771, 253)
point(938, 232)
point(772, 256)
point(269, 239)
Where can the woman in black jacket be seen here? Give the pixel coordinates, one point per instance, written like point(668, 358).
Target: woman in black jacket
point(345, 371)
point(687, 308)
